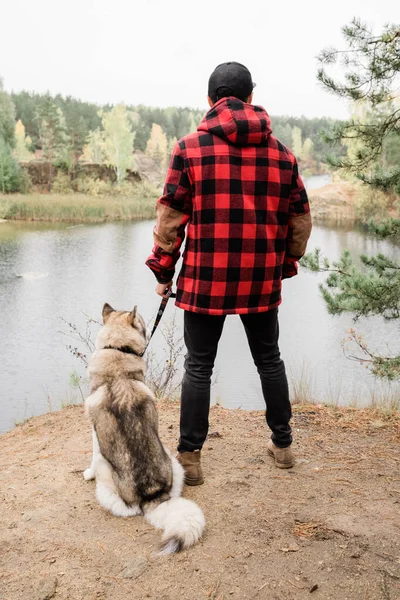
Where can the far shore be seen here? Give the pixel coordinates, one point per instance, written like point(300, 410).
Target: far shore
point(339, 202)
point(77, 208)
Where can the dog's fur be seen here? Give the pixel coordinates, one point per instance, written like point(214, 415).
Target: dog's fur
point(135, 474)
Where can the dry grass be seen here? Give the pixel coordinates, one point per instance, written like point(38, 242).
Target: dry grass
point(78, 208)
point(349, 418)
point(311, 530)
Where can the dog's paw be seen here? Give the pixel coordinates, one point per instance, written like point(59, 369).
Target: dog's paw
point(89, 474)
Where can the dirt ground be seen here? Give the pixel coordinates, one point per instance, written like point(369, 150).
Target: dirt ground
point(335, 201)
point(328, 529)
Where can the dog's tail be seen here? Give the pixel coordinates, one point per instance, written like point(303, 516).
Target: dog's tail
point(183, 523)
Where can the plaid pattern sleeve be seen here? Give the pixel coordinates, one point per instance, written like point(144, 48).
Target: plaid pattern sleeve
point(299, 226)
point(174, 210)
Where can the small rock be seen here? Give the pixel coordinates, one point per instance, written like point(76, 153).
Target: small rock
point(135, 567)
point(26, 518)
point(214, 434)
point(313, 588)
point(255, 461)
point(12, 526)
point(170, 426)
point(47, 588)
point(291, 548)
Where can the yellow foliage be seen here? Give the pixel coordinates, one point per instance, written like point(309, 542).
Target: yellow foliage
point(157, 145)
point(21, 151)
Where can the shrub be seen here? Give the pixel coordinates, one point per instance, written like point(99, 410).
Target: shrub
point(12, 178)
point(372, 204)
point(62, 183)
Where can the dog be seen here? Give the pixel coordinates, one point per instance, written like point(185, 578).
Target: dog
point(135, 473)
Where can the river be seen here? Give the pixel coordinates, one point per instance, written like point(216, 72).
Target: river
point(51, 274)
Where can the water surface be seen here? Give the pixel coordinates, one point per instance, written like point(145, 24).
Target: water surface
point(69, 272)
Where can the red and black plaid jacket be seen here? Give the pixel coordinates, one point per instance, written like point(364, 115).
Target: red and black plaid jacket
point(237, 191)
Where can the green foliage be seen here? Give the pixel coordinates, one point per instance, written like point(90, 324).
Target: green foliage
point(94, 151)
point(7, 117)
point(372, 137)
point(371, 204)
point(12, 178)
point(386, 228)
point(316, 129)
point(82, 119)
point(53, 136)
point(62, 183)
point(369, 289)
point(118, 140)
point(372, 64)
point(22, 143)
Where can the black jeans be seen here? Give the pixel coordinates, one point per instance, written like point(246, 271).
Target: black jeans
point(202, 334)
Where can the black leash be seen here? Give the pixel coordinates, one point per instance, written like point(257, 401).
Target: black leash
point(168, 294)
point(127, 349)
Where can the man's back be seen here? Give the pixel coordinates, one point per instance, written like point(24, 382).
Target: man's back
point(238, 190)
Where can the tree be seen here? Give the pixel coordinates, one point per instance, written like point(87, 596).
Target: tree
point(193, 124)
point(307, 150)
point(77, 134)
point(94, 150)
point(118, 140)
point(297, 144)
point(157, 145)
point(372, 65)
point(171, 146)
point(11, 177)
point(52, 133)
point(7, 117)
point(22, 143)
point(374, 288)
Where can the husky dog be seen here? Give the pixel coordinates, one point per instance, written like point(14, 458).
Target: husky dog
point(135, 474)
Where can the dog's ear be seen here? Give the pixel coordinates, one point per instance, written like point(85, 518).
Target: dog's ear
point(132, 316)
point(107, 310)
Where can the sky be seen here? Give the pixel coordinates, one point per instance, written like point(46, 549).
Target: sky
point(161, 52)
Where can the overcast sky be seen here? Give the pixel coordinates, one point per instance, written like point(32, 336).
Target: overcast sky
point(161, 52)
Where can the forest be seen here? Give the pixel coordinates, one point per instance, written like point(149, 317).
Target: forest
point(65, 132)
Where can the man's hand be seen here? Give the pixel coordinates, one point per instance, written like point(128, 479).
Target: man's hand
point(162, 287)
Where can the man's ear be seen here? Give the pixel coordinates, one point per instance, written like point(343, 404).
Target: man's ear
point(210, 102)
point(107, 310)
point(132, 316)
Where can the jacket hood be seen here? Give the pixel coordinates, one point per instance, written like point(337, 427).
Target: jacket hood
point(236, 122)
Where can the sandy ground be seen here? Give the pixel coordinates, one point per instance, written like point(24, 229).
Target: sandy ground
point(329, 528)
point(334, 201)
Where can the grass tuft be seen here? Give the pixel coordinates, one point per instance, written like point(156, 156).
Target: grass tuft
point(139, 203)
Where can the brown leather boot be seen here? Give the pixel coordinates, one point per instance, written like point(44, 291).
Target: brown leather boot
point(190, 462)
point(284, 458)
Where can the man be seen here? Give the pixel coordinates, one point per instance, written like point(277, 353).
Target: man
point(238, 191)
